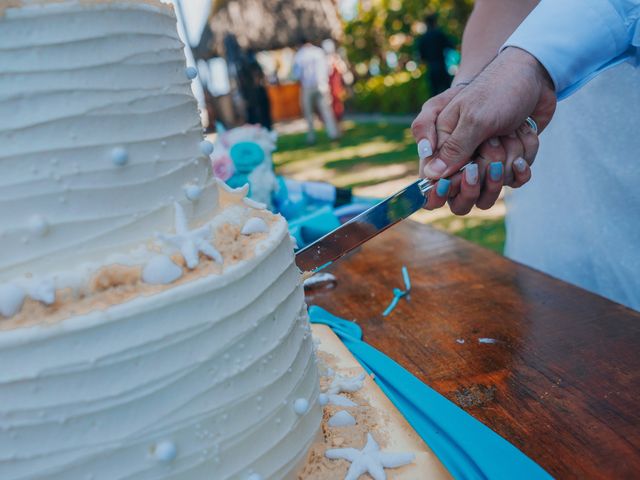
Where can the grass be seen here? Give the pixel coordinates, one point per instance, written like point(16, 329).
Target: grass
point(365, 155)
point(488, 232)
point(376, 159)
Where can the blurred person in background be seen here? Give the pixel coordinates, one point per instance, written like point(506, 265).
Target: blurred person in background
point(578, 219)
point(432, 46)
point(337, 70)
point(311, 68)
point(253, 86)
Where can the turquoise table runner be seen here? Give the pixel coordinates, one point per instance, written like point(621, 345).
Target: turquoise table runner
point(467, 448)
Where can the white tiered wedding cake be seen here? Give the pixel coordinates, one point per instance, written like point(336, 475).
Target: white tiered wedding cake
point(152, 321)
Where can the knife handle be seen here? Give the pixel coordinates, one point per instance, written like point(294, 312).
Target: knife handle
point(426, 184)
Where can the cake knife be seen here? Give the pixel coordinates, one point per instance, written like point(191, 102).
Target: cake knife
point(334, 245)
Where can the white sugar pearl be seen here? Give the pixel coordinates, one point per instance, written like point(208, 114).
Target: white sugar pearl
point(301, 406)
point(254, 225)
point(323, 399)
point(38, 225)
point(206, 147)
point(119, 156)
point(191, 72)
point(255, 476)
point(165, 451)
point(192, 192)
point(161, 271)
point(11, 299)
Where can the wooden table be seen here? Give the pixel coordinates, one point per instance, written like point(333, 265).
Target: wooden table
point(562, 383)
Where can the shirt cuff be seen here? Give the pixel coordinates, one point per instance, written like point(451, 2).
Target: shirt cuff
point(571, 38)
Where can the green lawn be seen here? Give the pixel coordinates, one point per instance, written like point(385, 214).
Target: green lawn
point(349, 162)
point(376, 159)
point(488, 232)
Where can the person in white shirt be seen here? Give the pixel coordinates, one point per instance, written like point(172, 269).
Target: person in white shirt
point(311, 68)
point(579, 220)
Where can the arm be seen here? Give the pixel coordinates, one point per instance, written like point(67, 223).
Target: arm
point(479, 43)
point(602, 33)
point(560, 43)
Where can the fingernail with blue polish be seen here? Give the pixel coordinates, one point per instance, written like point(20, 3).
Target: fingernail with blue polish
point(443, 187)
point(495, 171)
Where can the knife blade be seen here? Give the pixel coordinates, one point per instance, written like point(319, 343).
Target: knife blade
point(334, 245)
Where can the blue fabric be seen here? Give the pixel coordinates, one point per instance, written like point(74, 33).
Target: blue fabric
point(467, 448)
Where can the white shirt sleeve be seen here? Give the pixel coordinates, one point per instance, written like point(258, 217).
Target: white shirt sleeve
point(575, 39)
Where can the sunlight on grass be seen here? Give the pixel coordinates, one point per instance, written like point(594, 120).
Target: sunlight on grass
point(488, 232)
point(334, 159)
point(368, 153)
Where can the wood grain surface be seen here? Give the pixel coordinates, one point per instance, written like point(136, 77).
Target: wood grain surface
point(562, 381)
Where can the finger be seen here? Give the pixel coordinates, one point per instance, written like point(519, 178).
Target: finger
point(424, 124)
point(483, 167)
point(455, 149)
point(425, 150)
point(469, 193)
point(521, 172)
point(492, 151)
point(492, 186)
point(423, 127)
point(455, 181)
point(513, 150)
point(489, 152)
point(530, 142)
point(437, 196)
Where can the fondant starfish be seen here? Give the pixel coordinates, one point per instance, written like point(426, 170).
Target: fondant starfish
point(341, 383)
point(369, 460)
point(191, 242)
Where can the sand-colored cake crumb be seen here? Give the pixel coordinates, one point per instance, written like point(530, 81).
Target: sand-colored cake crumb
point(233, 243)
point(114, 276)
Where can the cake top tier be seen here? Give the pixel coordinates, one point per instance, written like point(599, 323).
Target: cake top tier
point(11, 4)
point(99, 133)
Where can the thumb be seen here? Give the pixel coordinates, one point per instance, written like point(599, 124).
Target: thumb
point(455, 149)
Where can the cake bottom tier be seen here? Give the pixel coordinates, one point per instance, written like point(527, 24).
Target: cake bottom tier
point(197, 382)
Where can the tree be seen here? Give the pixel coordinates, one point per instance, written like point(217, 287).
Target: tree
point(382, 34)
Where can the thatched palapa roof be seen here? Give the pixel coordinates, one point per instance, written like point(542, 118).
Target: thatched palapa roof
point(268, 24)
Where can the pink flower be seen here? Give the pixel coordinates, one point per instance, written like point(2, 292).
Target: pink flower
point(223, 167)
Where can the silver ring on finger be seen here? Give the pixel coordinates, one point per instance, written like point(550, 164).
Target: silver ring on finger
point(531, 123)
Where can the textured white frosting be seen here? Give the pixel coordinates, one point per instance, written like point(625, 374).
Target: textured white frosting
point(99, 137)
point(213, 366)
point(78, 81)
